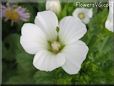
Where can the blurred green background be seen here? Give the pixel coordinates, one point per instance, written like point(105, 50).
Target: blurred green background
point(98, 68)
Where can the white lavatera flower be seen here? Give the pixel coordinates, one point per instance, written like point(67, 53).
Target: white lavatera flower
point(84, 14)
point(110, 19)
point(53, 5)
point(55, 44)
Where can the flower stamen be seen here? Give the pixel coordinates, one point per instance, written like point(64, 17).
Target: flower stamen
point(55, 46)
point(81, 15)
point(12, 14)
point(57, 29)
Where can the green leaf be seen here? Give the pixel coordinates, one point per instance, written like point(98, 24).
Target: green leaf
point(25, 63)
point(11, 47)
point(64, 81)
point(41, 77)
point(20, 79)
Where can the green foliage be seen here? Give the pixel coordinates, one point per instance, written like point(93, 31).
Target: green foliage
point(41, 77)
point(96, 69)
point(11, 46)
point(24, 70)
point(27, 61)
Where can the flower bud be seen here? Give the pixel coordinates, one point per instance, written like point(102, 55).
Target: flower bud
point(53, 5)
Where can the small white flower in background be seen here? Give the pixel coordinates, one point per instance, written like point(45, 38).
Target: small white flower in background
point(109, 22)
point(55, 44)
point(14, 13)
point(53, 5)
point(84, 14)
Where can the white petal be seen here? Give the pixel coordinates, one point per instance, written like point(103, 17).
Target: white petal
point(109, 22)
point(75, 55)
point(71, 29)
point(46, 61)
point(111, 5)
point(86, 20)
point(90, 13)
point(53, 5)
point(87, 12)
point(48, 22)
point(32, 39)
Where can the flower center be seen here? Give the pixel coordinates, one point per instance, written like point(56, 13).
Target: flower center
point(81, 15)
point(55, 46)
point(12, 14)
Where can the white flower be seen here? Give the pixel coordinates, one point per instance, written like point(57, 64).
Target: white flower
point(55, 44)
point(84, 14)
point(109, 22)
point(53, 5)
